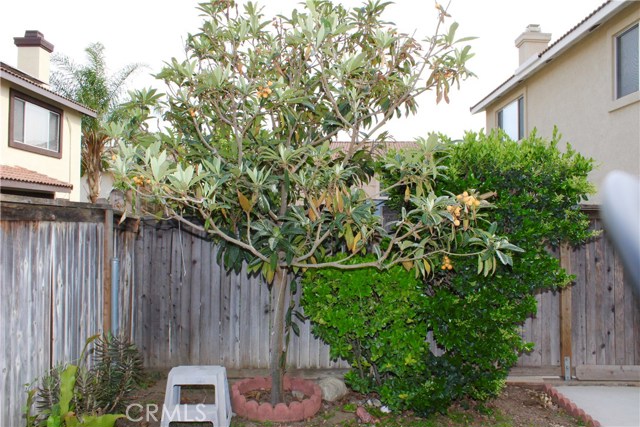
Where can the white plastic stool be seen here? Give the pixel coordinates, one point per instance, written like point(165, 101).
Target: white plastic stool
point(218, 413)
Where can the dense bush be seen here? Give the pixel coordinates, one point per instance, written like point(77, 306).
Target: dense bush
point(377, 320)
point(371, 318)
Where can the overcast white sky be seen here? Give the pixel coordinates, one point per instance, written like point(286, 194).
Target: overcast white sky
point(152, 31)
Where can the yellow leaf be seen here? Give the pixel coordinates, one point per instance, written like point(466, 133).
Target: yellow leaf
point(407, 194)
point(339, 202)
point(348, 236)
point(408, 265)
point(320, 201)
point(328, 204)
point(244, 202)
point(312, 214)
point(427, 266)
point(356, 239)
point(270, 274)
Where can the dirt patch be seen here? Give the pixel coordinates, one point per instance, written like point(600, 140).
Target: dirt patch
point(264, 396)
point(517, 406)
point(528, 407)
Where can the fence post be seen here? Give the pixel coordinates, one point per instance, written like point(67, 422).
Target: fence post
point(108, 254)
point(565, 314)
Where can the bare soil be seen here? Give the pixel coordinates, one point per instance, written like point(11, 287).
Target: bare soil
point(517, 406)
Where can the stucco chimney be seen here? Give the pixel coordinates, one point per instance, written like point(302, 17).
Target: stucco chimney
point(532, 42)
point(34, 55)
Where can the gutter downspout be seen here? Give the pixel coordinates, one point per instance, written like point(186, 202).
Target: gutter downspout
point(115, 290)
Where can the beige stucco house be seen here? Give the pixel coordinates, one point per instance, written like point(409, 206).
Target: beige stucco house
point(585, 83)
point(40, 131)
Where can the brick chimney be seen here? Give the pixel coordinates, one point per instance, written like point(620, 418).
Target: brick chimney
point(532, 42)
point(34, 55)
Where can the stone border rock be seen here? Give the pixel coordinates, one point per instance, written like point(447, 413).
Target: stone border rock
point(295, 411)
point(565, 403)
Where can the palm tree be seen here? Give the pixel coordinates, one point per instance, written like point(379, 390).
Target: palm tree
point(91, 85)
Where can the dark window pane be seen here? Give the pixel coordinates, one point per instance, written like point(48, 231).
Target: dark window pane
point(18, 120)
point(521, 118)
point(627, 71)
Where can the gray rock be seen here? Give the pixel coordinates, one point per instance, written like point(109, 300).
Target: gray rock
point(374, 402)
point(332, 389)
point(297, 394)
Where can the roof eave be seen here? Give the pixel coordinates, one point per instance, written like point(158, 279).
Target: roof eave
point(46, 93)
point(34, 186)
point(529, 68)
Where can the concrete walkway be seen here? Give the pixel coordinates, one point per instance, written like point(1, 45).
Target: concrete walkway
point(612, 406)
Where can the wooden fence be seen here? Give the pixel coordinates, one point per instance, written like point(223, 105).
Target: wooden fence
point(595, 322)
point(181, 307)
point(185, 309)
point(51, 282)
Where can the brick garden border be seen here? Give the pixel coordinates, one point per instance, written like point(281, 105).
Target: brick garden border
point(573, 410)
point(295, 411)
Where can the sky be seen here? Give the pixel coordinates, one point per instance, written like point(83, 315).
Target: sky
point(151, 32)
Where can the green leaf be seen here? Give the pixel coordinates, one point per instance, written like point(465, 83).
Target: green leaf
point(67, 384)
point(488, 263)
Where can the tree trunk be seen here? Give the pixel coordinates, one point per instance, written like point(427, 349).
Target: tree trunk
point(93, 183)
point(277, 362)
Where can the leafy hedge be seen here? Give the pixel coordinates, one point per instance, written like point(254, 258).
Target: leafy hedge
point(378, 320)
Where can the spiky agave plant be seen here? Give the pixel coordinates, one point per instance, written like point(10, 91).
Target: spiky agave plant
point(106, 374)
point(117, 371)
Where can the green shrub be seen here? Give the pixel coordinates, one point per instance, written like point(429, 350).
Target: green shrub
point(373, 319)
point(377, 321)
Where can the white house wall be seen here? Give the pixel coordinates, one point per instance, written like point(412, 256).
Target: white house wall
point(66, 169)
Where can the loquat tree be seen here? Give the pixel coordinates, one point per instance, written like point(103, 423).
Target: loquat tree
point(248, 159)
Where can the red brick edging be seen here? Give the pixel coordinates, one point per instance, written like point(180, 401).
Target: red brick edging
point(295, 411)
point(573, 410)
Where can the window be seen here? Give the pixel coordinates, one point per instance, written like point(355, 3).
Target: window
point(511, 119)
point(627, 70)
point(34, 125)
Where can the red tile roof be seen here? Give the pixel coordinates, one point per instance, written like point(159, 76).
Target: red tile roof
point(20, 174)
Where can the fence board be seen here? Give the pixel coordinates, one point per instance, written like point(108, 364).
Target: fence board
point(609, 305)
point(244, 321)
point(215, 302)
point(578, 306)
point(591, 312)
point(195, 298)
